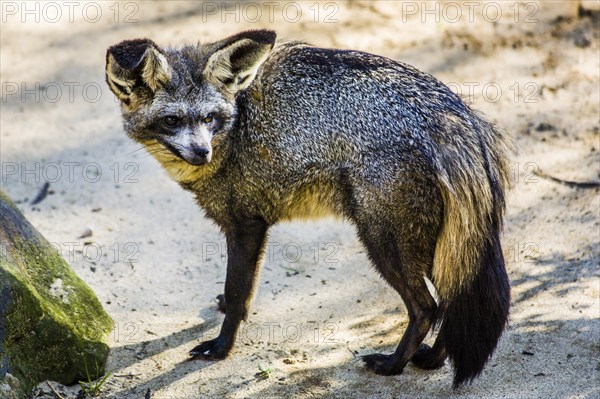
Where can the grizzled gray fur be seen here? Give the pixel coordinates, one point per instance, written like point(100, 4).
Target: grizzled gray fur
point(262, 132)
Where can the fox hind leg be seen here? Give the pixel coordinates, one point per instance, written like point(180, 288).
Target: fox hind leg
point(429, 358)
point(406, 275)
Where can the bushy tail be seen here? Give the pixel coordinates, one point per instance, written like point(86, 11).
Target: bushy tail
point(468, 270)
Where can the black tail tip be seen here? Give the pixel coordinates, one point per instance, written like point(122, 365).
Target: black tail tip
point(476, 318)
point(461, 380)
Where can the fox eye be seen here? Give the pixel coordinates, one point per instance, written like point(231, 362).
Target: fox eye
point(171, 121)
point(208, 118)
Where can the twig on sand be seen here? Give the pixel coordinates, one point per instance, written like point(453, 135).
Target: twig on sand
point(569, 183)
point(42, 194)
point(130, 375)
point(59, 396)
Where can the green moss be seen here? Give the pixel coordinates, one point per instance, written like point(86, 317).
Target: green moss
point(45, 336)
point(39, 268)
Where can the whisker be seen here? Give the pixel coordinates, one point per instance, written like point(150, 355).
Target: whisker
point(133, 152)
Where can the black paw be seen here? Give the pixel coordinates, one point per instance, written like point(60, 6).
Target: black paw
point(211, 350)
point(221, 303)
point(425, 358)
point(382, 364)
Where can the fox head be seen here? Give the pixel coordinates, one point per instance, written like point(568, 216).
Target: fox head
point(178, 102)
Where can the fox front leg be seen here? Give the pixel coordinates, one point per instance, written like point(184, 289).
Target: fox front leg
point(245, 245)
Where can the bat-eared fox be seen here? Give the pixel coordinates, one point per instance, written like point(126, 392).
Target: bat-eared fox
point(263, 131)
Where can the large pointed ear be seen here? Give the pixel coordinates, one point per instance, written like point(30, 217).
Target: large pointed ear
point(233, 64)
point(134, 63)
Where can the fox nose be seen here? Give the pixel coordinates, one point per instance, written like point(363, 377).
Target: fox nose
point(200, 156)
point(201, 152)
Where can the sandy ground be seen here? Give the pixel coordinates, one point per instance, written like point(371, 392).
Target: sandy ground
point(156, 263)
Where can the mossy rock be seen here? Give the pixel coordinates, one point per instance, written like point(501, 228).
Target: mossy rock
point(52, 326)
